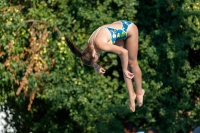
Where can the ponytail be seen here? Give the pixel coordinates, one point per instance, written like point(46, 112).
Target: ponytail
point(72, 47)
point(85, 55)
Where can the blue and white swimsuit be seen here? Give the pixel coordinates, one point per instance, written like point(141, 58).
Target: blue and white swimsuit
point(119, 34)
point(116, 34)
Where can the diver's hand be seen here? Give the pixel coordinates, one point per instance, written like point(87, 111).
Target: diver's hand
point(100, 70)
point(128, 74)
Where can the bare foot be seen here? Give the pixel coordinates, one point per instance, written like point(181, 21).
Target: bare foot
point(140, 98)
point(132, 103)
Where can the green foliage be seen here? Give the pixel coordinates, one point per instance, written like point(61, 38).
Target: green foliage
point(168, 61)
point(70, 97)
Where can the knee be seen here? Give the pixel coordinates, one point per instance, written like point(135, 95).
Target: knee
point(132, 63)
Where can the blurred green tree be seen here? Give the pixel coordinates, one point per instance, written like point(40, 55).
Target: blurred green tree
point(169, 34)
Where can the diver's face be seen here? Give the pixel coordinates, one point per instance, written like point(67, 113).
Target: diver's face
point(95, 55)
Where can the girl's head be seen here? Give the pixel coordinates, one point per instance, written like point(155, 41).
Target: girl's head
point(88, 55)
point(130, 127)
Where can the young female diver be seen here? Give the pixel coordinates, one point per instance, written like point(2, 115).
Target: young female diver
point(124, 35)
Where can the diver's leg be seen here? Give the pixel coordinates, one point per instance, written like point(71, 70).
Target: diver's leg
point(132, 47)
